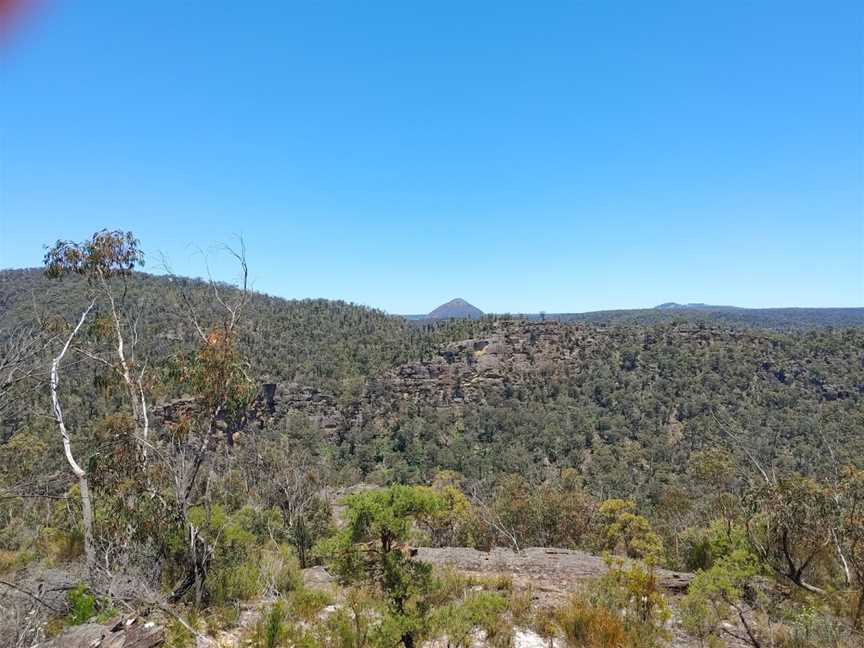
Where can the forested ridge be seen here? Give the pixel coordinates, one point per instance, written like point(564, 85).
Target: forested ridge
point(625, 404)
point(313, 341)
point(210, 425)
point(774, 318)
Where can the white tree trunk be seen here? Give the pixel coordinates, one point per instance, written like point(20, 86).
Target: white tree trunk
point(80, 473)
point(137, 400)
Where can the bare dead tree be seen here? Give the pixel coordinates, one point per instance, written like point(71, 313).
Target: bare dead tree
point(19, 353)
point(738, 442)
point(44, 486)
point(220, 382)
point(232, 309)
point(851, 535)
point(185, 463)
point(487, 513)
point(839, 490)
point(298, 485)
point(801, 522)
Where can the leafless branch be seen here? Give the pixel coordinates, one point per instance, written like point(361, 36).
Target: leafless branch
point(18, 359)
point(739, 443)
point(30, 594)
point(488, 514)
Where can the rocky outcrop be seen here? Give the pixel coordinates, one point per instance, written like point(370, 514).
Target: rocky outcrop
point(121, 632)
point(552, 574)
point(470, 371)
point(474, 371)
point(487, 369)
point(516, 355)
point(321, 408)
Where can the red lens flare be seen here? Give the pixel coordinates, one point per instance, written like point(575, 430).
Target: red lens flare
point(12, 13)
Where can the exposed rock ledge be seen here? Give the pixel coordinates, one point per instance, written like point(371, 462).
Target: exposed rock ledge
point(118, 633)
point(552, 573)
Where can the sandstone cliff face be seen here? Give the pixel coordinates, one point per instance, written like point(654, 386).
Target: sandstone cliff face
point(517, 355)
point(322, 409)
point(473, 371)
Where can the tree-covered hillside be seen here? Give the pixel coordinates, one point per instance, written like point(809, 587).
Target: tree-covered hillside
point(316, 342)
point(770, 318)
point(625, 404)
point(175, 444)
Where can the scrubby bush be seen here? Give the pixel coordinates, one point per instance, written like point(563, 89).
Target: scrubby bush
point(280, 570)
point(84, 605)
point(701, 546)
point(307, 603)
point(273, 629)
point(59, 546)
point(372, 549)
point(633, 590)
point(12, 560)
point(620, 528)
point(457, 622)
point(246, 560)
point(715, 595)
point(584, 624)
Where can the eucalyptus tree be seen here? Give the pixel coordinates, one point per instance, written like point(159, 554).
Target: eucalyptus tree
point(106, 256)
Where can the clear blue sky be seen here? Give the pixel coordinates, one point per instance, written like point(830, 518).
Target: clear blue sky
point(563, 156)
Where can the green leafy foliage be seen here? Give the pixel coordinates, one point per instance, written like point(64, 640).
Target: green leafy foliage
point(460, 620)
point(372, 547)
point(103, 255)
point(85, 606)
point(621, 527)
point(715, 594)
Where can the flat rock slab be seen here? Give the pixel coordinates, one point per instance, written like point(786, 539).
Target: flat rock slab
point(553, 573)
point(120, 633)
point(319, 578)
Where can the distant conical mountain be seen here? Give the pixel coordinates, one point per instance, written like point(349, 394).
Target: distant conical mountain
point(456, 308)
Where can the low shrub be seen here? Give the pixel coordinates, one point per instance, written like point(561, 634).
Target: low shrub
point(623, 607)
point(84, 606)
point(59, 546)
point(280, 570)
point(587, 625)
point(520, 605)
point(271, 631)
point(307, 603)
point(12, 560)
point(241, 582)
point(459, 620)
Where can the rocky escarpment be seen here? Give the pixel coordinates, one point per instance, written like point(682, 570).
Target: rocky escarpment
point(481, 370)
point(470, 371)
point(517, 359)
